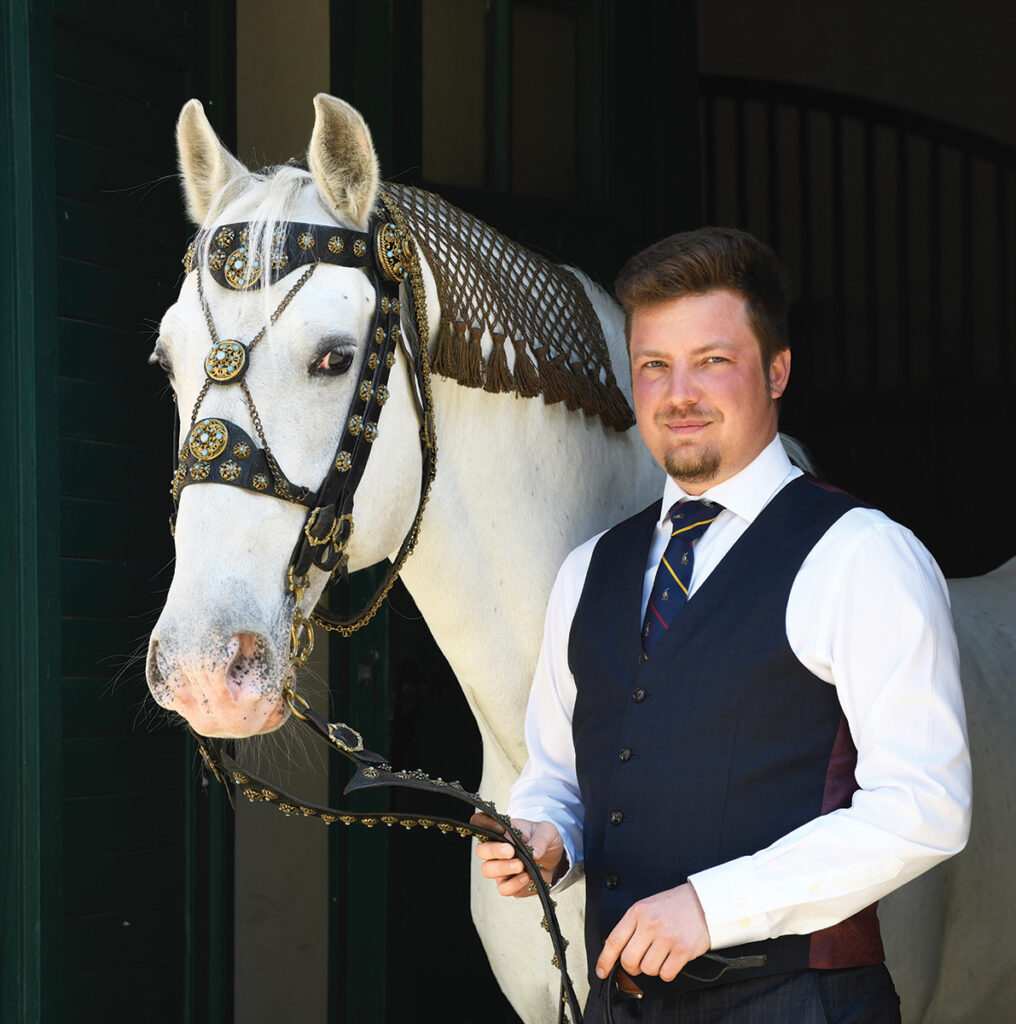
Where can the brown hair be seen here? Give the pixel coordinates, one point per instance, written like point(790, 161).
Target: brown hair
point(705, 260)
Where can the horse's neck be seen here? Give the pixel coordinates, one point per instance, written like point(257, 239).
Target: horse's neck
point(519, 484)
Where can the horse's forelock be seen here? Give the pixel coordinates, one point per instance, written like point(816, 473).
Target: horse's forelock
point(279, 188)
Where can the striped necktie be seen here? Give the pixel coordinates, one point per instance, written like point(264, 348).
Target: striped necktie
point(690, 520)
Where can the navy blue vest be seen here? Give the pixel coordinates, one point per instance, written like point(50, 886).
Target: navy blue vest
point(718, 745)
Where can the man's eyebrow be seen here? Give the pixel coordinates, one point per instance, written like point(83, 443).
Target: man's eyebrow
point(718, 344)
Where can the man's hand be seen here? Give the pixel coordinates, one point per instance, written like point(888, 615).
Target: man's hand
point(658, 935)
point(501, 862)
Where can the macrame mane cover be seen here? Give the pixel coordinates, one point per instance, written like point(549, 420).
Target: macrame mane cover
point(486, 281)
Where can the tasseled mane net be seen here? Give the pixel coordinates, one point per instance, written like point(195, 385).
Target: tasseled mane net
point(486, 281)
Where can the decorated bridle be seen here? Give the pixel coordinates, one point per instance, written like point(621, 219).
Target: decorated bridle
point(218, 451)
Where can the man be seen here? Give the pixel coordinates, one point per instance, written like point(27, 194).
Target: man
point(782, 742)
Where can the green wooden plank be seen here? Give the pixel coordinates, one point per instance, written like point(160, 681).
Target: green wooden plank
point(133, 533)
point(358, 858)
point(113, 707)
point(108, 295)
point(101, 589)
point(111, 472)
point(126, 124)
point(151, 993)
point(98, 412)
point(29, 727)
point(120, 824)
point(113, 238)
point(101, 941)
point(122, 882)
point(164, 32)
point(131, 182)
point(113, 66)
point(90, 351)
point(95, 766)
point(100, 648)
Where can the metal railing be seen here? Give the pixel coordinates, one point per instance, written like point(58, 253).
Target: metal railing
point(898, 230)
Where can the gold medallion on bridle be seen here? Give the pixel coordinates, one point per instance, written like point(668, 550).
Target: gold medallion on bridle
point(394, 252)
point(225, 362)
point(242, 269)
point(208, 440)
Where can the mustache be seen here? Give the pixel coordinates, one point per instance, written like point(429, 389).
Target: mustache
point(681, 414)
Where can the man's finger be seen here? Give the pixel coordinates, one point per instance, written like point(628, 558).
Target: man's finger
point(501, 868)
point(616, 941)
point(481, 820)
point(673, 965)
point(518, 885)
point(496, 851)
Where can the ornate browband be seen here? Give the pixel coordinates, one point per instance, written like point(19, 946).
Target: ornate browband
point(233, 263)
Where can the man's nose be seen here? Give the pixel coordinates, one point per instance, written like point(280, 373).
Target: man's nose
point(683, 386)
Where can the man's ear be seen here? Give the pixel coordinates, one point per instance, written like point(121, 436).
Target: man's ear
point(779, 373)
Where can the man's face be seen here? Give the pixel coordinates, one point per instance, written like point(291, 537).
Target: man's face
point(704, 405)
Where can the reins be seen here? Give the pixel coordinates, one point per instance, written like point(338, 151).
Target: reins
point(373, 771)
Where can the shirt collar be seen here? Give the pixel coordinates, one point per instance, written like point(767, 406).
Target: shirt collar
point(746, 493)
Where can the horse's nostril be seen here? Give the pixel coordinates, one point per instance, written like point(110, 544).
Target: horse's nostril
point(248, 659)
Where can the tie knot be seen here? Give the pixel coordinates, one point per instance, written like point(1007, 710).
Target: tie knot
point(692, 518)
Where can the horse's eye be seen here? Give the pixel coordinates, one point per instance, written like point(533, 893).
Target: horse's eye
point(334, 362)
point(160, 357)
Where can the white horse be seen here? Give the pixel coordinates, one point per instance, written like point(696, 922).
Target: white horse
point(520, 482)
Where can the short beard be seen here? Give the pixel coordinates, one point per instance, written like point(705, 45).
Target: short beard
point(692, 469)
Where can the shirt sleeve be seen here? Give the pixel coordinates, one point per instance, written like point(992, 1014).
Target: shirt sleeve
point(869, 614)
point(548, 789)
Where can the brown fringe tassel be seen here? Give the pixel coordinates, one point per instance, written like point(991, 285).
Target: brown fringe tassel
point(585, 389)
point(499, 376)
point(550, 377)
point(527, 383)
point(600, 399)
point(618, 414)
point(472, 363)
point(447, 357)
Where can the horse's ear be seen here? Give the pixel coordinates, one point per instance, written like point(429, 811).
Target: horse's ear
point(206, 166)
point(341, 157)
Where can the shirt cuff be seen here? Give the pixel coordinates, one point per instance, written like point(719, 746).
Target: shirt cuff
point(571, 838)
point(733, 917)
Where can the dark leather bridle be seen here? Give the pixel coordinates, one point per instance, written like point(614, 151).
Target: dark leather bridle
point(218, 451)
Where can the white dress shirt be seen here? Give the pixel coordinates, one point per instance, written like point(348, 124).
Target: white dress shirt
point(869, 614)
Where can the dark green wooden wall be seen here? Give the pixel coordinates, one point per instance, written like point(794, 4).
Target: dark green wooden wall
point(109, 880)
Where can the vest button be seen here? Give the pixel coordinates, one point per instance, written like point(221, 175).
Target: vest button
point(612, 881)
point(638, 694)
point(625, 754)
point(616, 817)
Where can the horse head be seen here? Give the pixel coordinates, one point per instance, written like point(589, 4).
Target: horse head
point(271, 347)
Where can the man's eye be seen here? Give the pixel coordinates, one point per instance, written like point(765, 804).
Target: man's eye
point(334, 362)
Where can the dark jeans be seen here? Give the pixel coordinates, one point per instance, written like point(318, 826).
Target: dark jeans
point(857, 995)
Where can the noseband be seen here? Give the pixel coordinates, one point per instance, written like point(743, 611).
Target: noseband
point(218, 451)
